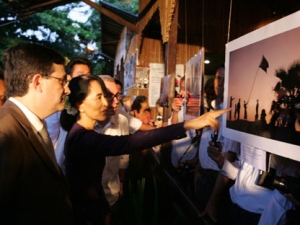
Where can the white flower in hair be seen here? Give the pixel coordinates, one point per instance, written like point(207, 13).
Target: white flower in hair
point(70, 109)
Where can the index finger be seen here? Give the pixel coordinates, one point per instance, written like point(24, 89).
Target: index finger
point(218, 113)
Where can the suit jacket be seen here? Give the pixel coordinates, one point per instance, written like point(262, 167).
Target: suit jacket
point(32, 190)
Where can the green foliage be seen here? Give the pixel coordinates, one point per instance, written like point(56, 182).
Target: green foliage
point(55, 30)
point(128, 5)
point(59, 32)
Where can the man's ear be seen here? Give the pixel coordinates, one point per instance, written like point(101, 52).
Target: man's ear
point(37, 82)
point(81, 107)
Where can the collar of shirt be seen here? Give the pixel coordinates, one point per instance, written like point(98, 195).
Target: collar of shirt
point(33, 119)
point(215, 106)
point(100, 129)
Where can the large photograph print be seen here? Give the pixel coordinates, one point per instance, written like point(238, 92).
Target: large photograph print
point(262, 88)
point(193, 84)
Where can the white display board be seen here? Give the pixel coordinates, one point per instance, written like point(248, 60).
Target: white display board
point(262, 83)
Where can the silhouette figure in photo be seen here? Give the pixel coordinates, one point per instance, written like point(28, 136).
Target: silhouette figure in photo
point(231, 99)
point(245, 109)
point(238, 108)
point(263, 118)
point(256, 110)
point(274, 112)
point(235, 111)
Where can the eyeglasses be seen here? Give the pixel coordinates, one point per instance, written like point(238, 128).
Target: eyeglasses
point(118, 96)
point(63, 81)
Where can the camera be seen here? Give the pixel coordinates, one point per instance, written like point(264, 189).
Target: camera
point(159, 118)
point(285, 184)
point(185, 166)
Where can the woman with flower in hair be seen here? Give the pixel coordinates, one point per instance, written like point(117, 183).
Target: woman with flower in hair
point(85, 149)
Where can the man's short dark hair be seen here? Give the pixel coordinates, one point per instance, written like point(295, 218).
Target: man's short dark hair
point(119, 83)
point(23, 61)
point(77, 60)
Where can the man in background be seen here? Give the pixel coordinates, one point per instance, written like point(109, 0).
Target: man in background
point(118, 122)
point(208, 169)
point(75, 67)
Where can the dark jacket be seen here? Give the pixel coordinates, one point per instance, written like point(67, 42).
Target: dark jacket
point(85, 152)
point(32, 190)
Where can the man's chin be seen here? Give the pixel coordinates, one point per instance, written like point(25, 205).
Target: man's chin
point(61, 107)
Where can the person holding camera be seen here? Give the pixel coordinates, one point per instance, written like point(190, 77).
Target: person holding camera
point(207, 171)
point(182, 149)
point(255, 196)
point(283, 206)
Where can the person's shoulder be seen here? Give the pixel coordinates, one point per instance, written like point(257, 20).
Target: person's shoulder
point(132, 121)
point(7, 121)
point(76, 128)
point(133, 113)
point(8, 114)
point(122, 116)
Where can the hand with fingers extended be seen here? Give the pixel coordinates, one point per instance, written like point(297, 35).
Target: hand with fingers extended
point(206, 120)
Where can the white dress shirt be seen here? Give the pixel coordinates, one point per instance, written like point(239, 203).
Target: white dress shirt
point(120, 124)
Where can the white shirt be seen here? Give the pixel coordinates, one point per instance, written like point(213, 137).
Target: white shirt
point(245, 193)
point(36, 123)
point(254, 198)
point(33, 119)
point(120, 124)
point(180, 146)
point(277, 206)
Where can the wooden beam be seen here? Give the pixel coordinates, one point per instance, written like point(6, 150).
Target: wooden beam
point(170, 58)
point(111, 15)
point(44, 4)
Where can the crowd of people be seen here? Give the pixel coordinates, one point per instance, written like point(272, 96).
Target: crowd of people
point(66, 136)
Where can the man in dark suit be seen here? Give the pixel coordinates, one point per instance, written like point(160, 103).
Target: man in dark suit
point(32, 188)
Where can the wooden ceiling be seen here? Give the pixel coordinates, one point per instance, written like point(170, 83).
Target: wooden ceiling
point(208, 23)
point(24, 8)
point(213, 23)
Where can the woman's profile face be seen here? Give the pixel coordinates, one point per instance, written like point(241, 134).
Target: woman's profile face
point(94, 106)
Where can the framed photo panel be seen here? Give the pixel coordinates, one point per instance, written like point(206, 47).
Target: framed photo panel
point(193, 85)
point(262, 88)
point(142, 77)
point(129, 70)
